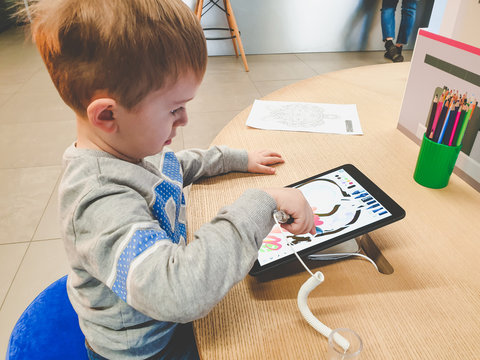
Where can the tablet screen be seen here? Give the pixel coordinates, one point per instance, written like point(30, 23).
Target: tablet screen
point(344, 202)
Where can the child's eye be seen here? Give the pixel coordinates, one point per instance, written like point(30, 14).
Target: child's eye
point(174, 112)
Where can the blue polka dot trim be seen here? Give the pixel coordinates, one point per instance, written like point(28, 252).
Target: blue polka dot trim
point(171, 167)
point(169, 200)
point(140, 241)
point(166, 208)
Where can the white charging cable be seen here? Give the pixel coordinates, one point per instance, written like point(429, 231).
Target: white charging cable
point(305, 290)
point(309, 285)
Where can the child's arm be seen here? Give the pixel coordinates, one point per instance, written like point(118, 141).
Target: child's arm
point(129, 251)
point(218, 160)
point(197, 163)
point(118, 242)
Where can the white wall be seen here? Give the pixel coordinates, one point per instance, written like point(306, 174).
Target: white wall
point(467, 27)
point(457, 19)
point(437, 16)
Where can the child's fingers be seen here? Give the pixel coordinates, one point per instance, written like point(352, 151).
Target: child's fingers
point(263, 169)
point(271, 160)
point(295, 228)
point(271, 153)
point(300, 228)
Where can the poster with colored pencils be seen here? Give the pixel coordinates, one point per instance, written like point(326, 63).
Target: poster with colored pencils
point(441, 99)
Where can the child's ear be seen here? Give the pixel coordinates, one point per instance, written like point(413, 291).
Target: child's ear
point(101, 114)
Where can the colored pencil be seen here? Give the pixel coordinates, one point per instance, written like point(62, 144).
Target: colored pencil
point(445, 138)
point(433, 111)
point(441, 120)
point(452, 135)
point(437, 115)
point(459, 126)
point(445, 123)
point(465, 123)
point(472, 130)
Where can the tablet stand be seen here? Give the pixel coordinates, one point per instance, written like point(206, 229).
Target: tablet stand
point(349, 246)
point(362, 244)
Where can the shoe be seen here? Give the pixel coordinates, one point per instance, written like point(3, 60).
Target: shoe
point(393, 52)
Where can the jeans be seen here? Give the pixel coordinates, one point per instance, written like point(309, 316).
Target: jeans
point(409, 9)
point(182, 347)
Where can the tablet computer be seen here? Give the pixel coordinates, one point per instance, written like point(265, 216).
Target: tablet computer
point(345, 203)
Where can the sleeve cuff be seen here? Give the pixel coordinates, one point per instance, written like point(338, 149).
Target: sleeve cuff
point(234, 159)
point(254, 208)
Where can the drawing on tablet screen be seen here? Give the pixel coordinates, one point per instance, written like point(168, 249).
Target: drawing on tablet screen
point(340, 205)
point(336, 209)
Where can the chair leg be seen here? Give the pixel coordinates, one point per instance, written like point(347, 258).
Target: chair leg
point(230, 26)
point(233, 22)
point(198, 9)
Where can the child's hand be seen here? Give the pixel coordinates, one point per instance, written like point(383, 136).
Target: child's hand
point(259, 161)
point(293, 203)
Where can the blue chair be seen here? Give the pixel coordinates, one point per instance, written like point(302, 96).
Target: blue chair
point(48, 328)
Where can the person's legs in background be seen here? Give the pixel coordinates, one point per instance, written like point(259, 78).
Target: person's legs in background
point(388, 19)
point(409, 11)
point(388, 29)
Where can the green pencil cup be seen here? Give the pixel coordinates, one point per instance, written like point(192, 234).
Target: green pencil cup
point(435, 163)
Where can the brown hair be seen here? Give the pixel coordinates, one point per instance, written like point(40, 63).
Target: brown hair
point(125, 47)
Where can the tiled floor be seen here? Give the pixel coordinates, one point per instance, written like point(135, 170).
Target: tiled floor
point(35, 128)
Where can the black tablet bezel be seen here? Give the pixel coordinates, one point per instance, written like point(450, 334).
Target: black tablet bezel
point(396, 211)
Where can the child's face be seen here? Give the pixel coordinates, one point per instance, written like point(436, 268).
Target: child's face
point(153, 123)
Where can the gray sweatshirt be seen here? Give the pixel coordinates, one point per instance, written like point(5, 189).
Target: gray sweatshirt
point(133, 277)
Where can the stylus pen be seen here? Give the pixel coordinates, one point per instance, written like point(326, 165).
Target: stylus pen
point(282, 217)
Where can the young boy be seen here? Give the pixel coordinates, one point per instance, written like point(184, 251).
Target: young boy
point(127, 69)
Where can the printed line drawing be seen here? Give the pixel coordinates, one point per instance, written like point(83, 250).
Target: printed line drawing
point(309, 117)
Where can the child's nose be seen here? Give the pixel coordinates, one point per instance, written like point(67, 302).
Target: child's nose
point(183, 120)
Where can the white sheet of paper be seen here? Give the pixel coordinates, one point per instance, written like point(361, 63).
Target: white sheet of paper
point(301, 116)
